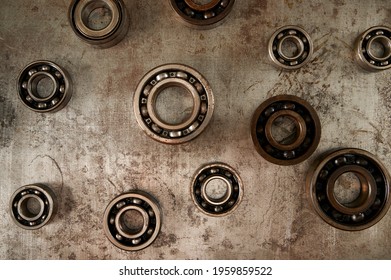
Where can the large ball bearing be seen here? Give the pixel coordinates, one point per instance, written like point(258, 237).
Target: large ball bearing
point(363, 210)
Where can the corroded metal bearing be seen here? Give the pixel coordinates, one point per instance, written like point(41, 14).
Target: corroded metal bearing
point(102, 23)
point(41, 100)
point(365, 208)
point(121, 217)
point(226, 199)
point(152, 85)
point(32, 206)
point(373, 49)
point(290, 47)
point(202, 14)
point(296, 147)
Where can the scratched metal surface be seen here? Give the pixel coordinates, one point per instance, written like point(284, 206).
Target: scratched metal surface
point(93, 149)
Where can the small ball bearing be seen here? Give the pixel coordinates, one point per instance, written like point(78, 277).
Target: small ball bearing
point(118, 230)
point(223, 204)
point(292, 35)
point(157, 80)
point(32, 97)
point(288, 151)
point(105, 34)
point(32, 206)
point(365, 51)
point(208, 15)
point(364, 210)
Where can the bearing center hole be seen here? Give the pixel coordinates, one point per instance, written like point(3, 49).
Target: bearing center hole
point(30, 207)
point(216, 189)
point(285, 130)
point(131, 221)
point(347, 188)
point(174, 105)
point(380, 47)
point(45, 87)
point(290, 48)
point(97, 15)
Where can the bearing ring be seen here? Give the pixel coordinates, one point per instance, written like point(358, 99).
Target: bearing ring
point(171, 75)
point(119, 233)
point(307, 126)
point(107, 36)
point(294, 35)
point(371, 204)
point(32, 217)
point(364, 55)
point(222, 205)
point(202, 16)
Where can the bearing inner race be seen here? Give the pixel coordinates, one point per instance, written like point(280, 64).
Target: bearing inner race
point(384, 42)
point(216, 201)
point(32, 86)
point(24, 210)
point(202, 7)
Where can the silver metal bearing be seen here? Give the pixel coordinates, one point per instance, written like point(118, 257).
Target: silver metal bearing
point(157, 80)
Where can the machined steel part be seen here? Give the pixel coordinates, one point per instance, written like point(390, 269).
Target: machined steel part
point(221, 205)
point(365, 51)
point(202, 14)
point(28, 86)
point(117, 229)
point(32, 206)
point(157, 80)
point(295, 149)
point(105, 35)
point(368, 207)
point(280, 41)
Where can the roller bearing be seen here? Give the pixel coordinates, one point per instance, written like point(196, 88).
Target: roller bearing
point(289, 151)
point(364, 50)
point(368, 207)
point(294, 35)
point(171, 75)
point(120, 233)
point(222, 205)
point(32, 206)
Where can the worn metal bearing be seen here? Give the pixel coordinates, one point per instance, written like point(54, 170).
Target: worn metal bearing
point(283, 40)
point(373, 49)
point(157, 80)
point(365, 208)
point(41, 100)
point(32, 206)
point(120, 219)
point(299, 145)
point(202, 14)
point(102, 23)
point(224, 202)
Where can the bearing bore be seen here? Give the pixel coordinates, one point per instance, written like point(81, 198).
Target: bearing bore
point(195, 14)
point(373, 49)
point(364, 210)
point(38, 101)
point(297, 38)
point(32, 206)
point(101, 23)
point(294, 149)
point(157, 80)
point(123, 233)
point(225, 203)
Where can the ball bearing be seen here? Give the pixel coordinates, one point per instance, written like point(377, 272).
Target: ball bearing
point(123, 233)
point(157, 80)
point(32, 206)
point(279, 47)
point(291, 150)
point(224, 203)
point(364, 210)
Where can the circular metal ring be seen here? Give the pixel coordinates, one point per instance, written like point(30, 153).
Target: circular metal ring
point(364, 54)
point(368, 207)
point(224, 204)
point(171, 75)
point(27, 215)
point(119, 233)
point(27, 86)
point(296, 36)
point(307, 123)
point(107, 35)
point(195, 14)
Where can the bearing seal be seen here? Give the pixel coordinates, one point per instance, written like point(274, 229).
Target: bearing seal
point(374, 198)
point(153, 83)
point(307, 125)
point(117, 231)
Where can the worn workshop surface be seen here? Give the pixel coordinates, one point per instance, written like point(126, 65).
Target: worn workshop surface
point(93, 149)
